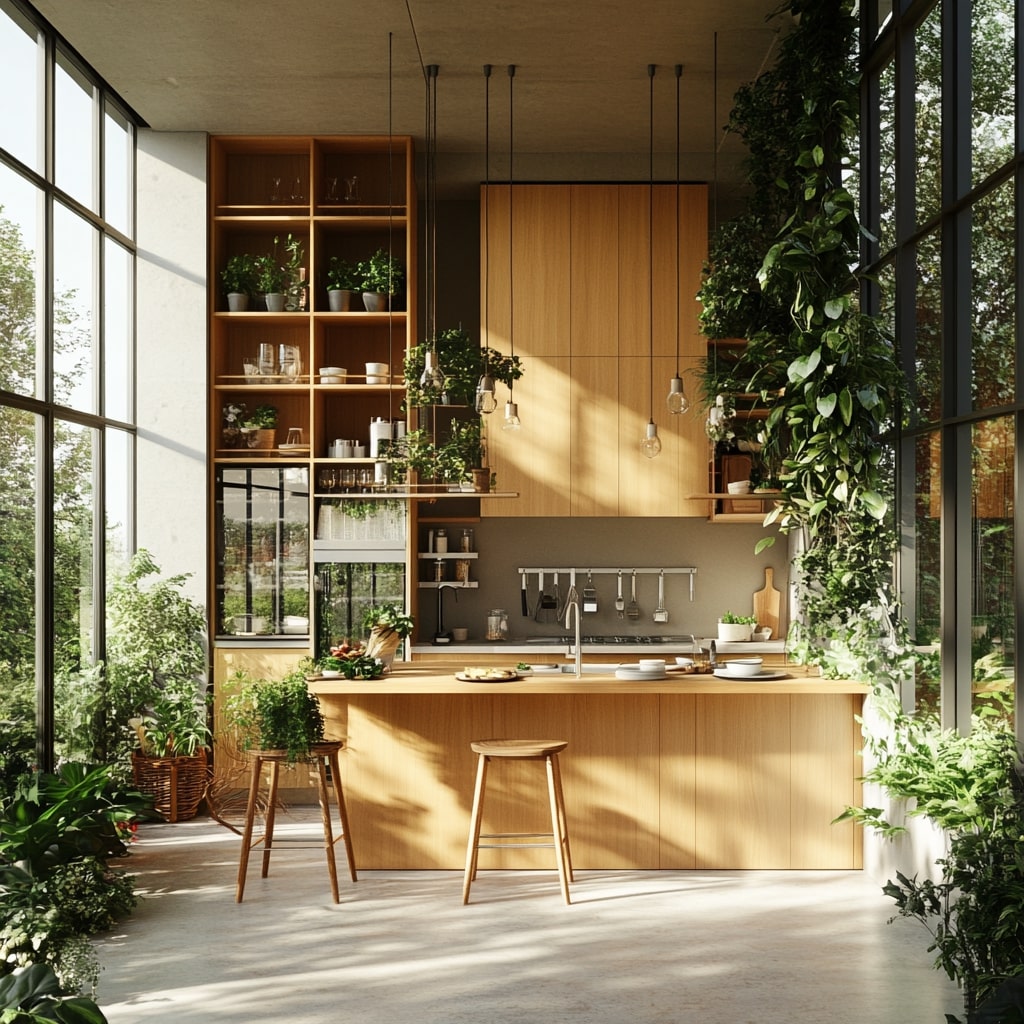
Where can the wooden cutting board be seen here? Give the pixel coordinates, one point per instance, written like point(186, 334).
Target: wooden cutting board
point(767, 604)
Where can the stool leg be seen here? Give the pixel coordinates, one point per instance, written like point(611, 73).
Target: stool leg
point(565, 821)
point(558, 836)
point(250, 811)
point(473, 848)
point(325, 817)
point(339, 796)
point(268, 836)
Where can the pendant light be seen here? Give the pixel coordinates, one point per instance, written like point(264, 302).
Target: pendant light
point(432, 378)
point(651, 444)
point(512, 421)
point(485, 402)
point(677, 401)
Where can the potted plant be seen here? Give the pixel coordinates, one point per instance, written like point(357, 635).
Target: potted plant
point(239, 280)
point(274, 714)
point(231, 432)
point(294, 273)
point(387, 625)
point(330, 666)
point(343, 282)
point(462, 362)
point(261, 426)
point(380, 277)
point(270, 282)
point(461, 456)
point(735, 628)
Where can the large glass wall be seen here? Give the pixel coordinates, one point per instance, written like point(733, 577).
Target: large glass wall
point(944, 183)
point(67, 438)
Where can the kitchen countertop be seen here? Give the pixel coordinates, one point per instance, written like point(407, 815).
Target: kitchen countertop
point(534, 649)
point(436, 677)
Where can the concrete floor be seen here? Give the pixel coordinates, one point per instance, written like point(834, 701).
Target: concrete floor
point(636, 947)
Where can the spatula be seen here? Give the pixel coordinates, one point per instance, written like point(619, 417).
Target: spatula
point(633, 609)
point(620, 605)
point(661, 612)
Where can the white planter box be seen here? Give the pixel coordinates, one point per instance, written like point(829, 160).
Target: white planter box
point(734, 632)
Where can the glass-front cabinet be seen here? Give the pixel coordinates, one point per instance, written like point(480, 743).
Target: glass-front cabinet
point(262, 550)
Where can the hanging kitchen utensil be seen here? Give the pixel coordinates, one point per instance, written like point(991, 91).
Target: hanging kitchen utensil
point(620, 605)
point(540, 596)
point(661, 612)
point(547, 604)
point(559, 607)
point(633, 609)
point(525, 598)
point(573, 596)
point(589, 596)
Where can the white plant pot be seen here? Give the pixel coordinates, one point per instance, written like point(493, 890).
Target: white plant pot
point(375, 302)
point(734, 632)
point(339, 300)
point(238, 302)
point(275, 302)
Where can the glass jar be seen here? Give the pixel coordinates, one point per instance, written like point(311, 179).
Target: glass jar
point(497, 624)
point(466, 540)
point(441, 541)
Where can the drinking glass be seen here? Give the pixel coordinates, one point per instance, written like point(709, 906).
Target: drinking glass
point(275, 190)
point(267, 360)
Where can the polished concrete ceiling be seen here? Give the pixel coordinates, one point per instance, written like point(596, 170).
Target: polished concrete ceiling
point(581, 101)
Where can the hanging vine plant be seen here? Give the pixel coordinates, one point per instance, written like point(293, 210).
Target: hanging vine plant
point(827, 372)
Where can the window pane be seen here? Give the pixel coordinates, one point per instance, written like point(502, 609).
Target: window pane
point(117, 332)
point(926, 561)
point(992, 105)
point(21, 294)
point(21, 75)
point(993, 318)
point(20, 434)
point(928, 331)
point(75, 133)
point(886, 228)
point(74, 496)
point(74, 310)
point(928, 116)
point(119, 486)
point(118, 177)
point(992, 604)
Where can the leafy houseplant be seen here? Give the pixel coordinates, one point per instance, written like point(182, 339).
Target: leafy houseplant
point(381, 274)
point(239, 279)
point(294, 273)
point(262, 422)
point(342, 277)
point(270, 275)
point(462, 361)
point(275, 714)
point(735, 627)
point(387, 625)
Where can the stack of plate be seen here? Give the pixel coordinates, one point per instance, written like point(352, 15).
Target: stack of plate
point(648, 668)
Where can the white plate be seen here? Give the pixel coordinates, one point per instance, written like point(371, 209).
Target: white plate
point(724, 673)
point(640, 674)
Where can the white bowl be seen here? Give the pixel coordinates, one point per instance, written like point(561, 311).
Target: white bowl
point(685, 662)
point(739, 487)
point(652, 664)
point(332, 374)
point(745, 666)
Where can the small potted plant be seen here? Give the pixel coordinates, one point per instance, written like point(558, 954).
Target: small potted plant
point(735, 628)
point(343, 282)
point(231, 432)
point(380, 277)
point(270, 282)
point(239, 280)
point(261, 427)
point(294, 273)
point(274, 714)
point(461, 456)
point(387, 625)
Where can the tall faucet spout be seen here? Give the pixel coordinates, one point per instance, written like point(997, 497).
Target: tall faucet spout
point(571, 606)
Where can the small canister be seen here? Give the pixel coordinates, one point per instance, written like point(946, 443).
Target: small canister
point(441, 541)
point(497, 624)
point(462, 570)
point(466, 540)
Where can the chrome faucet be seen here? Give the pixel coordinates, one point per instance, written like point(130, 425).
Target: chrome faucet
point(574, 603)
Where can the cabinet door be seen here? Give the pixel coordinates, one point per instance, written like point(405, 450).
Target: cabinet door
point(594, 433)
point(594, 295)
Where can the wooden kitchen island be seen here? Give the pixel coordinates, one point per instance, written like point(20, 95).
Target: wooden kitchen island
point(688, 772)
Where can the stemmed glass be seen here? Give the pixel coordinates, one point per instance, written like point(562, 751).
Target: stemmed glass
point(328, 480)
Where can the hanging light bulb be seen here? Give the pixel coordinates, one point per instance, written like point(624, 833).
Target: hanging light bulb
point(432, 377)
point(650, 446)
point(485, 401)
point(512, 418)
point(676, 399)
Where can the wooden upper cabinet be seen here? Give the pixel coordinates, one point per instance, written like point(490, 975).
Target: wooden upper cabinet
point(582, 280)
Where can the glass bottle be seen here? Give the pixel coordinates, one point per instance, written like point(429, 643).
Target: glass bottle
point(441, 541)
point(466, 540)
point(497, 624)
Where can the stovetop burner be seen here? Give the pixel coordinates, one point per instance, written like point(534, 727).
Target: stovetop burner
point(612, 639)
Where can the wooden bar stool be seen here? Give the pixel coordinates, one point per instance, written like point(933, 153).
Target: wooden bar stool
point(322, 755)
point(520, 750)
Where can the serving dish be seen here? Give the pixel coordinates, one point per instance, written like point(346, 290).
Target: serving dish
point(760, 677)
point(488, 674)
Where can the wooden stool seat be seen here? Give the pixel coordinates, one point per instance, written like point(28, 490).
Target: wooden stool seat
point(520, 750)
point(323, 755)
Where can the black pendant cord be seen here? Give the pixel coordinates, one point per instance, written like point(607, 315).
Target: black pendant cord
point(650, 240)
point(487, 219)
point(511, 292)
point(391, 224)
point(679, 75)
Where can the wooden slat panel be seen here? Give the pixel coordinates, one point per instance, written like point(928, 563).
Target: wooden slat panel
point(594, 447)
point(594, 298)
point(678, 786)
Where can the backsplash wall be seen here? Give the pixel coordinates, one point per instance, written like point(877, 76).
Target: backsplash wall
point(728, 572)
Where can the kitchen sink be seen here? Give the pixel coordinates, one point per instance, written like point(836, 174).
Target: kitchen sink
point(600, 668)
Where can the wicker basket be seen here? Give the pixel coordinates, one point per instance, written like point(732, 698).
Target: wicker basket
point(177, 784)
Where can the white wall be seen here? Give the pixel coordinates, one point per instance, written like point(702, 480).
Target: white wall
point(171, 365)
